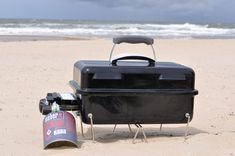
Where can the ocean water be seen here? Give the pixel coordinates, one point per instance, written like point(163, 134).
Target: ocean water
point(59, 28)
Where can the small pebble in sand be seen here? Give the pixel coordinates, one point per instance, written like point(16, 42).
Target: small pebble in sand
point(0, 109)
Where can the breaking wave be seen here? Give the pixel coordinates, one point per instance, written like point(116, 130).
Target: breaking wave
point(110, 29)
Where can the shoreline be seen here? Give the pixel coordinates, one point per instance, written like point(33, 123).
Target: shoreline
point(15, 38)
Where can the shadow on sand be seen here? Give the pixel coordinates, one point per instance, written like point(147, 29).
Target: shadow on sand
point(106, 135)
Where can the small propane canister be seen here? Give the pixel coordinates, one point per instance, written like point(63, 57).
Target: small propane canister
point(59, 129)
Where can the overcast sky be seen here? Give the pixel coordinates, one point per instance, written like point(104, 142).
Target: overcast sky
point(134, 10)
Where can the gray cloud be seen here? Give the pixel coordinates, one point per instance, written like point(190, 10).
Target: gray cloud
point(164, 10)
point(166, 4)
point(117, 3)
point(130, 10)
point(160, 6)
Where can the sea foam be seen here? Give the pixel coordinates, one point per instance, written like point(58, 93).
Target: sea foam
point(110, 29)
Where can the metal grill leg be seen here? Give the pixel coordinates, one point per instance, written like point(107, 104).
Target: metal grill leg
point(114, 128)
point(92, 131)
point(80, 116)
point(160, 127)
point(139, 127)
point(129, 126)
point(145, 138)
point(187, 115)
point(78, 113)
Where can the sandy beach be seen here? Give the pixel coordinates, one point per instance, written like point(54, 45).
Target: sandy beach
point(30, 69)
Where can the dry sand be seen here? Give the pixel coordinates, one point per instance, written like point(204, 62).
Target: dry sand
point(30, 69)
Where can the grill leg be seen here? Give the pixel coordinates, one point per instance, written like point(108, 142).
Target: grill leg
point(92, 131)
point(160, 127)
point(139, 127)
point(145, 138)
point(129, 126)
point(114, 128)
point(80, 116)
point(187, 115)
point(78, 113)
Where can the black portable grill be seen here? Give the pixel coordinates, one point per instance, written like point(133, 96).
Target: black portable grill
point(123, 91)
